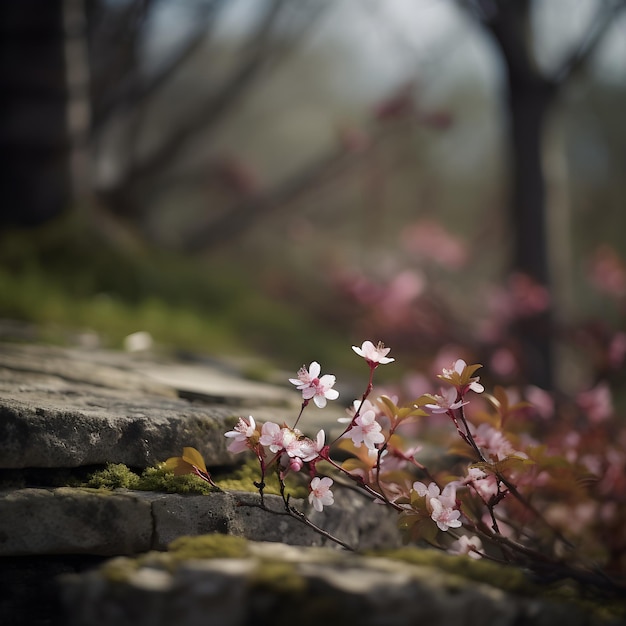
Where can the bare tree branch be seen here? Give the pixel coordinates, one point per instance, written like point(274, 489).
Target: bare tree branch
point(262, 49)
point(134, 91)
point(508, 23)
point(605, 14)
point(246, 214)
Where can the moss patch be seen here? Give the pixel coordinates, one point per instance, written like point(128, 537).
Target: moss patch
point(506, 578)
point(119, 476)
point(244, 477)
point(279, 577)
point(119, 570)
point(511, 579)
point(214, 546)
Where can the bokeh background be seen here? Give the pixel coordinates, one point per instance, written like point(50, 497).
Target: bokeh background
point(286, 178)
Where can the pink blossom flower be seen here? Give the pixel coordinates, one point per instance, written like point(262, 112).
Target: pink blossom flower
point(493, 443)
point(292, 442)
point(293, 463)
point(366, 430)
point(361, 406)
point(444, 516)
point(471, 546)
point(460, 375)
point(445, 402)
point(272, 437)
point(310, 449)
point(321, 495)
point(313, 386)
point(485, 485)
point(447, 496)
point(440, 504)
point(374, 355)
point(432, 491)
point(242, 435)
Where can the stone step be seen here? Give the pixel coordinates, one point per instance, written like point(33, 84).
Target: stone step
point(271, 583)
point(121, 522)
point(64, 408)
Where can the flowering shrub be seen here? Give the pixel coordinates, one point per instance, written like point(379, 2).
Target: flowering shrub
point(488, 488)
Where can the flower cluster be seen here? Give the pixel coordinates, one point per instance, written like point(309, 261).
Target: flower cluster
point(491, 497)
point(290, 449)
point(440, 504)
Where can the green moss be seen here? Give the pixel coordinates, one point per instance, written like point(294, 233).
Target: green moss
point(120, 569)
point(66, 275)
point(161, 479)
point(507, 578)
point(214, 546)
point(279, 577)
point(244, 477)
point(113, 476)
point(511, 579)
point(119, 476)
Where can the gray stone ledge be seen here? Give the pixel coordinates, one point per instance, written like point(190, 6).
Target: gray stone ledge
point(70, 430)
point(63, 408)
point(306, 586)
point(121, 522)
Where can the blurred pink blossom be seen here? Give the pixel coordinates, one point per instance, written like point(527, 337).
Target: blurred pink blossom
point(617, 350)
point(492, 442)
point(596, 402)
point(607, 271)
point(542, 401)
point(427, 239)
point(503, 362)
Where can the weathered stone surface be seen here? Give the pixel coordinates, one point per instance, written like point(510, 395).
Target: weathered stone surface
point(58, 429)
point(110, 523)
point(280, 584)
point(68, 408)
point(73, 521)
point(235, 514)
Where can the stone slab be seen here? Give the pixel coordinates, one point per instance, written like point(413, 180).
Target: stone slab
point(68, 407)
point(278, 584)
point(73, 521)
point(65, 427)
point(103, 522)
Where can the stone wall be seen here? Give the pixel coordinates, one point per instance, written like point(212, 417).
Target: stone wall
point(81, 557)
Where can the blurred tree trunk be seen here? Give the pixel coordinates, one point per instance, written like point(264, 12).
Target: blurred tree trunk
point(530, 95)
point(529, 98)
point(34, 146)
